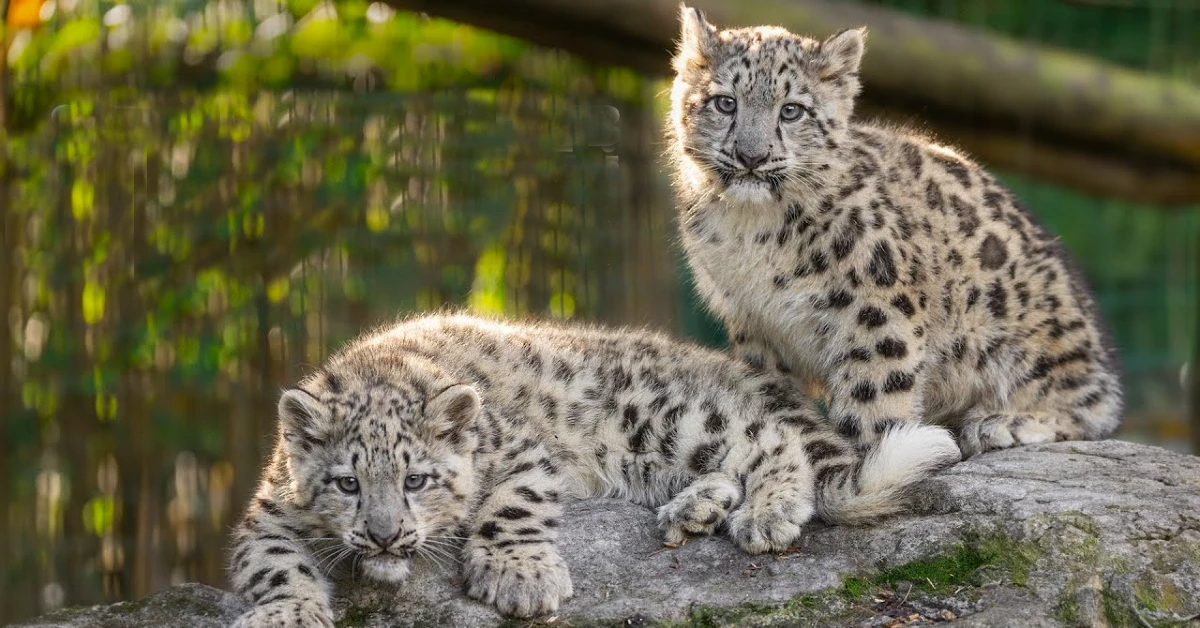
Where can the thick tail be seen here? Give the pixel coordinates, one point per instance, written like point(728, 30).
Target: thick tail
point(878, 485)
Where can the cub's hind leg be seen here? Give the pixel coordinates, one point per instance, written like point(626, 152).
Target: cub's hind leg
point(510, 558)
point(1071, 407)
point(987, 431)
point(700, 508)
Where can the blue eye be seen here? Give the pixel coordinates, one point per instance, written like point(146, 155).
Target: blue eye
point(791, 112)
point(415, 481)
point(725, 104)
point(347, 485)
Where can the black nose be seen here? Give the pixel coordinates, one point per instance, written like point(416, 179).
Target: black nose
point(384, 541)
point(752, 161)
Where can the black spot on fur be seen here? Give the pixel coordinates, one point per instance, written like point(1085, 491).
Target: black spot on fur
point(715, 424)
point(818, 262)
point(512, 513)
point(844, 244)
point(968, 220)
point(871, 317)
point(956, 168)
point(904, 304)
point(891, 348)
point(997, 300)
point(776, 397)
point(883, 426)
point(529, 494)
point(912, 157)
point(933, 197)
point(992, 253)
point(863, 392)
point(859, 354)
point(840, 299)
point(973, 296)
point(637, 442)
point(702, 457)
point(898, 381)
point(959, 348)
point(847, 427)
point(630, 418)
point(257, 577)
point(882, 268)
point(818, 450)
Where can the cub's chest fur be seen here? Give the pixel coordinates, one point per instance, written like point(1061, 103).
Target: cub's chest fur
point(752, 258)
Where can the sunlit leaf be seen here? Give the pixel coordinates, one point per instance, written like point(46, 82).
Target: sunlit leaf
point(562, 305)
point(83, 199)
point(93, 302)
point(488, 290)
point(377, 219)
point(99, 513)
point(278, 289)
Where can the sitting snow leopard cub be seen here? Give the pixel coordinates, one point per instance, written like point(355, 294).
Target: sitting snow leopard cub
point(456, 428)
point(888, 268)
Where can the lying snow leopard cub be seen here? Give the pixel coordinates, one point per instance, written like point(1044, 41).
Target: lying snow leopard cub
point(456, 428)
point(886, 267)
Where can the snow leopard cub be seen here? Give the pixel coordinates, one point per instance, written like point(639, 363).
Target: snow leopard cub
point(889, 268)
point(451, 428)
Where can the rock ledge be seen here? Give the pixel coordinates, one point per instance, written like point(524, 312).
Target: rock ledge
point(1091, 534)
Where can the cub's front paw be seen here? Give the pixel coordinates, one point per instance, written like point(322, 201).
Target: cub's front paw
point(771, 520)
point(531, 580)
point(699, 508)
point(286, 614)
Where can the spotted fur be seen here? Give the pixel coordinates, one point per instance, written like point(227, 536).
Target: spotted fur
point(454, 437)
point(888, 268)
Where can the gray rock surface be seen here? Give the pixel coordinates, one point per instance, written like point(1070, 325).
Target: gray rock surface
point(1089, 534)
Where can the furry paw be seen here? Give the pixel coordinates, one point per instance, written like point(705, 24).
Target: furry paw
point(699, 508)
point(530, 581)
point(1001, 431)
point(772, 518)
point(286, 614)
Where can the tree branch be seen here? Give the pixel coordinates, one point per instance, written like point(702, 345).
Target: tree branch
point(1119, 115)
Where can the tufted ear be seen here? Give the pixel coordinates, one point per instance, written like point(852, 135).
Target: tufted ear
point(452, 412)
point(841, 53)
point(303, 416)
point(697, 39)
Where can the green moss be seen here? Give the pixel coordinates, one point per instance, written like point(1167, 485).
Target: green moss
point(710, 617)
point(958, 566)
point(1067, 611)
point(355, 617)
point(855, 587)
point(1118, 612)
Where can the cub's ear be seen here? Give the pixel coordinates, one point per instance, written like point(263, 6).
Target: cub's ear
point(697, 40)
point(452, 412)
point(303, 416)
point(842, 53)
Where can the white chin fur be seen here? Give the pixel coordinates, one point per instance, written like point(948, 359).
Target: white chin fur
point(386, 567)
point(747, 192)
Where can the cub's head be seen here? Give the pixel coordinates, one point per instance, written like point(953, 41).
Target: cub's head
point(382, 458)
point(759, 113)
